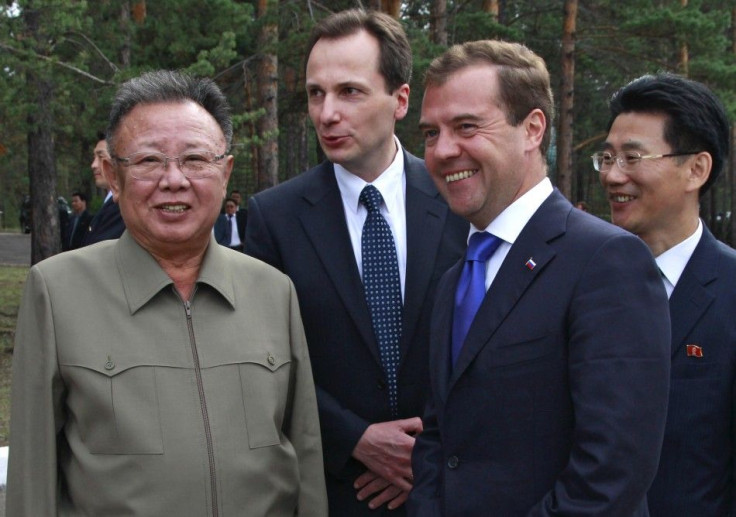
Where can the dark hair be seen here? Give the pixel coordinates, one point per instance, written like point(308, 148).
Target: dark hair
point(523, 79)
point(101, 136)
point(169, 86)
point(230, 200)
point(695, 118)
point(394, 62)
point(80, 195)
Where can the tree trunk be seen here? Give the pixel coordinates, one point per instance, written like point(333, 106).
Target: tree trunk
point(491, 7)
point(438, 22)
point(732, 160)
point(45, 233)
point(267, 88)
point(391, 7)
point(567, 89)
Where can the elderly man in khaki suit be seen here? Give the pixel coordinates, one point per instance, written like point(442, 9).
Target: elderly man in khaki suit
point(181, 385)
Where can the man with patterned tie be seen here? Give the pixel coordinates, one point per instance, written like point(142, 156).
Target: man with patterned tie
point(668, 140)
point(364, 236)
point(549, 344)
point(107, 223)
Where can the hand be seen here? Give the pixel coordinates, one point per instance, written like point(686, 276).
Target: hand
point(370, 483)
point(385, 449)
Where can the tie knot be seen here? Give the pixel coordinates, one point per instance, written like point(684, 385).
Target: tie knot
point(481, 246)
point(371, 198)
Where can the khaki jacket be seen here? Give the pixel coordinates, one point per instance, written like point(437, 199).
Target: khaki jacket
point(128, 401)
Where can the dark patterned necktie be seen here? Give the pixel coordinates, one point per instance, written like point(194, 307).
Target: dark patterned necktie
point(471, 288)
point(229, 230)
point(382, 287)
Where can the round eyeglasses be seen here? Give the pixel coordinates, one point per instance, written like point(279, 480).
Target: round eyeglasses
point(627, 161)
point(150, 166)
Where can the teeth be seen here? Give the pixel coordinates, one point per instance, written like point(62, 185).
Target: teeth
point(459, 175)
point(173, 208)
point(621, 198)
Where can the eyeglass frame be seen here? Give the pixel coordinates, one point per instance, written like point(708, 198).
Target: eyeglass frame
point(125, 161)
point(626, 167)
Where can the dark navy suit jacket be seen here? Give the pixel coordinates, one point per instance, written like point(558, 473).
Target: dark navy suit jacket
point(697, 471)
point(557, 402)
point(106, 224)
point(299, 227)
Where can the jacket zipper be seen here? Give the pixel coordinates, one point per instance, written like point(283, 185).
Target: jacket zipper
point(203, 405)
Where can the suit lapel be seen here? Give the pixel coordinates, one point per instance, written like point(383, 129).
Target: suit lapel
point(691, 297)
point(440, 357)
point(324, 224)
point(425, 221)
point(514, 277)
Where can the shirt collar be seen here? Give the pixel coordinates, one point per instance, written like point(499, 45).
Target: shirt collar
point(673, 261)
point(143, 278)
point(389, 183)
point(509, 223)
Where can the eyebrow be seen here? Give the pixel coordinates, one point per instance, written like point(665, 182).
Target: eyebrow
point(463, 117)
point(626, 146)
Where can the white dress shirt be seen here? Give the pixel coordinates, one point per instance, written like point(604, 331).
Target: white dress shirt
point(392, 186)
point(673, 261)
point(508, 224)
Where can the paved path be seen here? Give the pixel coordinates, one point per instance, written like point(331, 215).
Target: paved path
point(15, 249)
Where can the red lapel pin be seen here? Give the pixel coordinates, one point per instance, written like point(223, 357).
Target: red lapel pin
point(694, 351)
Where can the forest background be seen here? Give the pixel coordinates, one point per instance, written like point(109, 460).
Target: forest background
point(61, 61)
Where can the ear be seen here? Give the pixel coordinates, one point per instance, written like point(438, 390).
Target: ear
point(535, 125)
point(226, 174)
point(699, 171)
point(402, 106)
point(110, 173)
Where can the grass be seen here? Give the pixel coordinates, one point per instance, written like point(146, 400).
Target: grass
point(11, 288)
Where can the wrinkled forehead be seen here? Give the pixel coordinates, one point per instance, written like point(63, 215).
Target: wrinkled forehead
point(183, 123)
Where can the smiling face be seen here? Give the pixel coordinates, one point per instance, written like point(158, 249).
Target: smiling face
point(658, 198)
point(349, 106)
point(173, 214)
point(479, 162)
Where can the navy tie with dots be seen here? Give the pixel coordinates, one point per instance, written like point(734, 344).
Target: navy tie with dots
point(471, 288)
point(382, 287)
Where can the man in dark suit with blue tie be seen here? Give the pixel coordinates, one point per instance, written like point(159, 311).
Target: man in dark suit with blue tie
point(549, 344)
point(364, 237)
point(107, 223)
point(668, 140)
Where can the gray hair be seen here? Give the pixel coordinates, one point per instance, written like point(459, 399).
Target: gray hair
point(164, 86)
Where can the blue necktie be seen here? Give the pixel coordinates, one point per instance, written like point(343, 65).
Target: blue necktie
point(382, 287)
point(471, 289)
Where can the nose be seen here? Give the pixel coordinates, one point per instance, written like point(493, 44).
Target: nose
point(329, 113)
point(614, 176)
point(172, 177)
point(445, 146)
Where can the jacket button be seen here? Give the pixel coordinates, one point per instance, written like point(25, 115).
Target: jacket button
point(453, 462)
point(381, 384)
point(271, 359)
point(110, 364)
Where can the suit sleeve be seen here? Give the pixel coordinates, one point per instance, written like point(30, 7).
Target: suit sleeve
point(341, 428)
point(36, 407)
point(619, 366)
point(302, 422)
point(426, 459)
